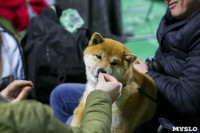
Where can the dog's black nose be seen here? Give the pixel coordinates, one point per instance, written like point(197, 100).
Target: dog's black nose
point(101, 70)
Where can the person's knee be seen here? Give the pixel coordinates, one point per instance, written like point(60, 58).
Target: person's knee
point(56, 94)
point(61, 89)
point(65, 91)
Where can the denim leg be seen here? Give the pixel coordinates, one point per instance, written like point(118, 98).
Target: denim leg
point(65, 98)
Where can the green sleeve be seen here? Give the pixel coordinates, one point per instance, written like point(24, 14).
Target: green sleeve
point(98, 114)
point(34, 117)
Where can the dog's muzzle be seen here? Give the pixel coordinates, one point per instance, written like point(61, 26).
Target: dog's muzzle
point(101, 70)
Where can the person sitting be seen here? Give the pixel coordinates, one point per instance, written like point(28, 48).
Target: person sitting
point(178, 55)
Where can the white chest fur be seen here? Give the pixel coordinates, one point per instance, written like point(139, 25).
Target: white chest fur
point(89, 88)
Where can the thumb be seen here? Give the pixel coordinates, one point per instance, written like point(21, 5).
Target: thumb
point(101, 78)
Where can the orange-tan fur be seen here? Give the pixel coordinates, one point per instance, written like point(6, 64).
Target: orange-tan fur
point(132, 108)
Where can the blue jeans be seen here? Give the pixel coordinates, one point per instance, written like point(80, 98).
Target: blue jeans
point(65, 98)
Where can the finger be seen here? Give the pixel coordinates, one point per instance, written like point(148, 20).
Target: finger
point(19, 83)
point(110, 78)
point(136, 62)
point(140, 60)
point(101, 77)
point(23, 94)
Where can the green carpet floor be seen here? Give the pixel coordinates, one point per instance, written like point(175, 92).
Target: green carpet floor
point(142, 18)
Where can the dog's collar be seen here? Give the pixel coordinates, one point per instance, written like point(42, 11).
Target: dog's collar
point(143, 92)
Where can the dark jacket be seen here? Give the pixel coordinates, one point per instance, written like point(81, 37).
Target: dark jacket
point(34, 117)
point(179, 55)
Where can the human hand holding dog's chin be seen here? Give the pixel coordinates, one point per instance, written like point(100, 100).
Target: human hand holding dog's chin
point(112, 86)
point(140, 66)
point(17, 90)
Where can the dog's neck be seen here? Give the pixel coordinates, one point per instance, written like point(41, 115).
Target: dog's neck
point(128, 76)
point(128, 81)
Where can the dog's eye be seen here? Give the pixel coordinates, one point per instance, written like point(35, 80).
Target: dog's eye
point(113, 63)
point(98, 57)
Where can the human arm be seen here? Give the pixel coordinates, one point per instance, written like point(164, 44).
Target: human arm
point(181, 91)
point(101, 122)
point(17, 90)
point(31, 116)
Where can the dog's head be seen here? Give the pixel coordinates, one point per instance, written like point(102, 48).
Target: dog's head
point(108, 56)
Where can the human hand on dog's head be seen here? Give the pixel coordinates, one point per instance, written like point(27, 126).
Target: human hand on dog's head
point(140, 66)
point(112, 86)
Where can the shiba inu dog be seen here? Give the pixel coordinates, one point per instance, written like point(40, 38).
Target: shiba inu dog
point(132, 108)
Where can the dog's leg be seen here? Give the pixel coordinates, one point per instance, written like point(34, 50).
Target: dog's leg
point(78, 114)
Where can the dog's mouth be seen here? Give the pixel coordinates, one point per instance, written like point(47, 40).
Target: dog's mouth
point(95, 73)
point(100, 70)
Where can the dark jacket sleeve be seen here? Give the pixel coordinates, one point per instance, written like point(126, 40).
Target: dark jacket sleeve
point(34, 117)
point(183, 92)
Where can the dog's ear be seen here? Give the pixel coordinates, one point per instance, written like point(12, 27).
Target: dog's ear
point(130, 57)
point(96, 39)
